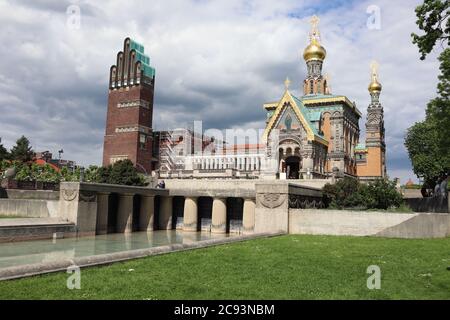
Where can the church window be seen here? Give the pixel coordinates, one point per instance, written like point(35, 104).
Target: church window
point(311, 85)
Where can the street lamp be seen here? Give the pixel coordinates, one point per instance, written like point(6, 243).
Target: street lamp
point(60, 152)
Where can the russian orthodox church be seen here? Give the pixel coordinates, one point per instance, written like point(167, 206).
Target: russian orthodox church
point(318, 133)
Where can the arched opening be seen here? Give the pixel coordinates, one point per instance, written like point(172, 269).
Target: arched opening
point(293, 167)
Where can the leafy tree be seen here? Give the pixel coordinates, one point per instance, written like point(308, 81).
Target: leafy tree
point(421, 142)
point(432, 18)
point(428, 141)
point(22, 151)
point(3, 152)
point(438, 110)
point(124, 172)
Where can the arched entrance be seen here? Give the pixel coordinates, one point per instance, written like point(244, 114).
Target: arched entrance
point(293, 167)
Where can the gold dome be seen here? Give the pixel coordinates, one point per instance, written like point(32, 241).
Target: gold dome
point(375, 86)
point(314, 51)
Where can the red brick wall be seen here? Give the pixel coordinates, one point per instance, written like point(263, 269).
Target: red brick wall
point(128, 143)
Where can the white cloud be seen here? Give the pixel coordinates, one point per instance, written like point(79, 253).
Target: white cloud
point(217, 61)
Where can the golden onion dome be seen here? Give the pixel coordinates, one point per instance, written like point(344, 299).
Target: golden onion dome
point(314, 51)
point(375, 86)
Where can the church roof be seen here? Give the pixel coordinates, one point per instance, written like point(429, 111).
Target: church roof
point(310, 115)
point(315, 100)
point(360, 147)
point(306, 116)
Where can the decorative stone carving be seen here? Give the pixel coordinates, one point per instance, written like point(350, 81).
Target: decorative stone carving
point(272, 200)
point(87, 196)
point(69, 195)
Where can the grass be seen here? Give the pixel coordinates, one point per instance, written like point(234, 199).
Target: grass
point(286, 267)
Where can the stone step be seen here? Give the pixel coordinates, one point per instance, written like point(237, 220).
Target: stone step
point(35, 229)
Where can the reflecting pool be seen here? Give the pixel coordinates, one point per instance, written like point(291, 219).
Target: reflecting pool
point(40, 251)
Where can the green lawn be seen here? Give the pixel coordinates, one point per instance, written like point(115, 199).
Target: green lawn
point(287, 267)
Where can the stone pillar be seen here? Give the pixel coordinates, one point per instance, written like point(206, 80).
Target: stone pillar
point(79, 207)
point(190, 220)
point(219, 216)
point(125, 213)
point(165, 213)
point(147, 213)
point(272, 207)
point(248, 219)
point(102, 212)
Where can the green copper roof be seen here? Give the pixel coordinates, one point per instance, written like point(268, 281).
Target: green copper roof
point(314, 115)
point(147, 70)
point(310, 116)
point(360, 146)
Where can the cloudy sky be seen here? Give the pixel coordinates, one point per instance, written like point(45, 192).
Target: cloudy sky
point(216, 61)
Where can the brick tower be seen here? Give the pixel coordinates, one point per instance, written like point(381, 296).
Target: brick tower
point(130, 109)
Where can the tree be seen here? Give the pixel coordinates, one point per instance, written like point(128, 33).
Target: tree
point(432, 18)
point(3, 152)
point(123, 172)
point(22, 151)
point(427, 141)
point(423, 150)
point(438, 110)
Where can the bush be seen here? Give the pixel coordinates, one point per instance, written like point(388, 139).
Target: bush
point(121, 172)
point(124, 173)
point(350, 193)
point(384, 194)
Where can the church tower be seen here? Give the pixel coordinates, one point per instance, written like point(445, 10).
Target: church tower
point(375, 132)
point(130, 108)
point(314, 55)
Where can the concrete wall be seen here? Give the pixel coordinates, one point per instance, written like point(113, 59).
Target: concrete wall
point(432, 204)
point(29, 194)
point(211, 188)
point(29, 208)
point(363, 223)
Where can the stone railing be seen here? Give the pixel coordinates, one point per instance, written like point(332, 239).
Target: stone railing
point(29, 185)
point(301, 197)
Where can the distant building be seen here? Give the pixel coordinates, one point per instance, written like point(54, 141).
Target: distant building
point(47, 157)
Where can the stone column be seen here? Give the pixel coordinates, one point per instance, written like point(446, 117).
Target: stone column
point(190, 220)
point(248, 219)
point(147, 213)
point(219, 216)
point(125, 213)
point(165, 213)
point(102, 212)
